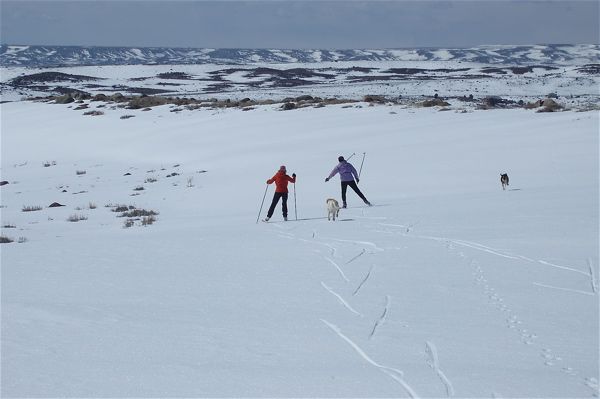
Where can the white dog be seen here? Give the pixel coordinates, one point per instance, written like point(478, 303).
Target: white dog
point(333, 208)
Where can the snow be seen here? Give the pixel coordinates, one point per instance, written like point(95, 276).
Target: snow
point(15, 49)
point(442, 54)
point(407, 55)
point(448, 286)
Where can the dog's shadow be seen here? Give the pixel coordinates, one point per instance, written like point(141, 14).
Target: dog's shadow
point(316, 218)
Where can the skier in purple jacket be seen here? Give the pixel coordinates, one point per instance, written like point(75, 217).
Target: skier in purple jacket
point(347, 174)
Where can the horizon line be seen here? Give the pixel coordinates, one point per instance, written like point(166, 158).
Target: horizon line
point(300, 48)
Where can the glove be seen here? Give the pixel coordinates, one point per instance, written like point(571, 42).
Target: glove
point(294, 175)
point(327, 179)
point(268, 182)
point(357, 180)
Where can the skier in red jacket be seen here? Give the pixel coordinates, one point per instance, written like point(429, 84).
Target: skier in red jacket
point(281, 180)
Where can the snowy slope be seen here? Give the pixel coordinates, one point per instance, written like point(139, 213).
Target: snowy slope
point(450, 286)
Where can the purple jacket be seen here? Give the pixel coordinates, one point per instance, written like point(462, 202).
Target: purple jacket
point(346, 171)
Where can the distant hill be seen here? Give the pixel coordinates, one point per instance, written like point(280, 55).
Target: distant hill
point(54, 56)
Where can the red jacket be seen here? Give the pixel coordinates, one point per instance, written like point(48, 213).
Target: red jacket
point(281, 181)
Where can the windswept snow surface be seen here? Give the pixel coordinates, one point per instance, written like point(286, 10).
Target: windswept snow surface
point(448, 286)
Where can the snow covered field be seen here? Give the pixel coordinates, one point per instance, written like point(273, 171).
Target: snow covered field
point(448, 287)
point(576, 84)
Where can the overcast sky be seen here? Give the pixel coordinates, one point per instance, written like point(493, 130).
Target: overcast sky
point(298, 24)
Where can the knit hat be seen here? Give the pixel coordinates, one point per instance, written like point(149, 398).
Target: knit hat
point(340, 158)
point(282, 168)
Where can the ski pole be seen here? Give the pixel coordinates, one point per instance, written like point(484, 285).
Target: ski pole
point(361, 164)
point(295, 208)
point(353, 154)
point(262, 203)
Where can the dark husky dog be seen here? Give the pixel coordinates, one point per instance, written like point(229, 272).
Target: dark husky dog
point(504, 180)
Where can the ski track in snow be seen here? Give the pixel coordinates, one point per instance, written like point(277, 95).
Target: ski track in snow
point(543, 262)
point(339, 269)
point(493, 251)
point(362, 243)
point(395, 374)
point(513, 322)
point(592, 276)
point(357, 256)
point(382, 318)
point(434, 363)
point(341, 300)
point(331, 249)
point(564, 289)
point(363, 280)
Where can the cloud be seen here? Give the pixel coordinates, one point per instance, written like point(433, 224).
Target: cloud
point(299, 24)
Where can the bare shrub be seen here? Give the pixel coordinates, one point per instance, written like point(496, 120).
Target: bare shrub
point(32, 208)
point(139, 188)
point(22, 240)
point(94, 113)
point(122, 208)
point(5, 239)
point(436, 102)
point(190, 181)
point(48, 164)
point(135, 213)
point(9, 226)
point(151, 180)
point(374, 99)
point(148, 220)
point(128, 223)
point(80, 172)
point(91, 205)
point(76, 218)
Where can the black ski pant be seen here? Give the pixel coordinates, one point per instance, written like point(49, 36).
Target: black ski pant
point(276, 197)
point(354, 187)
